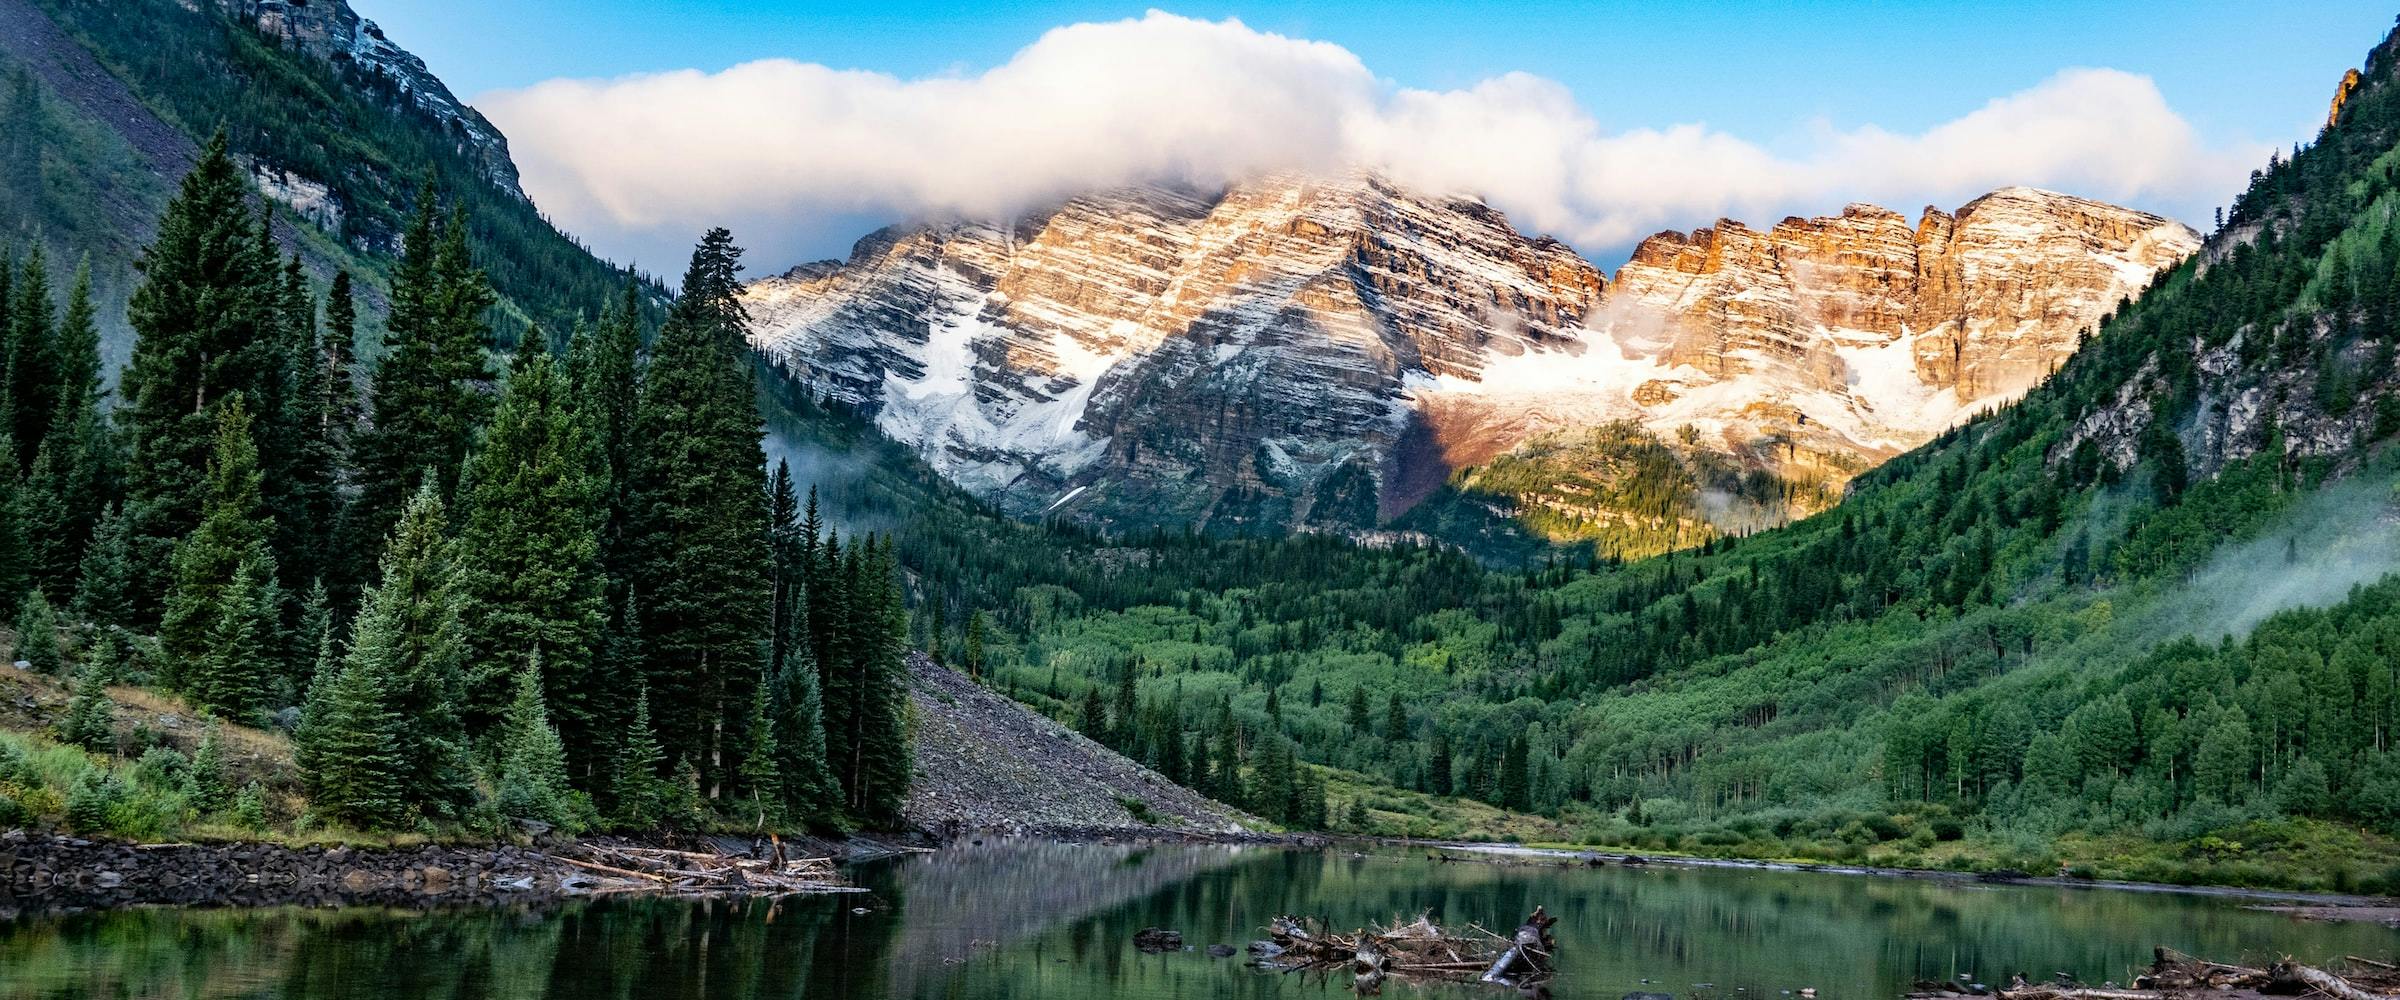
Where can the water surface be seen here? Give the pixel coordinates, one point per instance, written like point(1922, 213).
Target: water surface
point(1031, 920)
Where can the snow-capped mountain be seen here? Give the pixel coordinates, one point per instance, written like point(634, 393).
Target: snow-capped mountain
point(1327, 352)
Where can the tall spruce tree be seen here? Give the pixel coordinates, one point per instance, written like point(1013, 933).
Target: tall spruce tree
point(303, 463)
point(697, 520)
point(224, 578)
point(104, 579)
point(206, 316)
point(32, 384)
point(533, 500)
point(798, 713)
point(408, 640)
point(74, 468)
point(429, 396)
point(352, 747)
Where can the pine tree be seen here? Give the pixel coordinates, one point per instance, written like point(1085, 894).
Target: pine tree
point(64, 497)
point(634, 780)
point(428, 398)
point(16, 555)
point(206, 315)
point(73, 464)
point(407, 644)
point(1437, 763)
point(351, 747)
point(604, 368)
point(234, 675)
point(788, 604)
point(809, 790)
point(533, 762)
point(977, 625)
point(212, 786)
point(533, 502)
point(37, 636)
point(1395, 720)
point(697, 518)
point(1360, 722)
point(305, 450)
point(761, 778)
point(228, 548)
point(87, 723)
point(1516, 789)
point(884, 763)
point(104, 580)
point(32, 361)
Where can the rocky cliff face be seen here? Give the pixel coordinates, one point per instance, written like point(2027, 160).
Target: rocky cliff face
point(331, 31)
point(1298, 352)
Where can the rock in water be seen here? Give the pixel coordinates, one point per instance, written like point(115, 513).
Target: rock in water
point(1154, 940)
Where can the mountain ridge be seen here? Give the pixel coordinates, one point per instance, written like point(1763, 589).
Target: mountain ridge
point(1311, 352)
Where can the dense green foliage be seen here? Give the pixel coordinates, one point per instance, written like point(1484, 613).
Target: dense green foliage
point(421, 585)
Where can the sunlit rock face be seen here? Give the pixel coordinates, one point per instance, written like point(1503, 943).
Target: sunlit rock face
point(1300, 352)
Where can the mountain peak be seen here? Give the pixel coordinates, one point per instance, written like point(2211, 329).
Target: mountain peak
point(1327, 350)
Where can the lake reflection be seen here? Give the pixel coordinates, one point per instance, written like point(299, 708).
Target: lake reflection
point(1039, 920)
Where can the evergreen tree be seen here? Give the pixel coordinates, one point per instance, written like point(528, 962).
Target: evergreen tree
point(37, 636)
point(407, 645)
point(87, 723)
point(428, 397)
point(233, 675)
point(533, 501)
point(533, 762)
point(884, 763)
point(1360, 722)
point(788, 603)
point(32, 360)
point(64, 497)
point(799, 730)
point(72, 465)
point(1516, 787)
point(16, 554)
point(212, 787)
point(304, 451)
point(352, 747)
point(641, 795)
point(977, 624)
point(206, 315)
point(104, 580)
point(761, 778)
point(1395, 720)
point(697, 518)
point(223, 580)
point(1092, 719)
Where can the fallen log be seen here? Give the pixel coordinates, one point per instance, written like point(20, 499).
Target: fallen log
point(1419, 950)
point(2301, 977)
point(613, 870)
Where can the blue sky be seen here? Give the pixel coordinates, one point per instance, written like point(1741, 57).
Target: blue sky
point(1780, 78)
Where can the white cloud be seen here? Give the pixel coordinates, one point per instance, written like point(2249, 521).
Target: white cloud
point(787, 152)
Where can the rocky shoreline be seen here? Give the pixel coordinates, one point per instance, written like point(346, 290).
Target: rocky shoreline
point(54, 873)
point(42, 872)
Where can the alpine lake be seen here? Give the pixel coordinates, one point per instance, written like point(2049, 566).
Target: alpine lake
point(1007, 919)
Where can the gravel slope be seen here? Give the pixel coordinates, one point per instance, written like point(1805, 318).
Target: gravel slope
point(985, 762)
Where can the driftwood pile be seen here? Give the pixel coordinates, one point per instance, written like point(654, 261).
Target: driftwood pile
point(659, 869)
point(2174, 974)
point(1417, 951)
